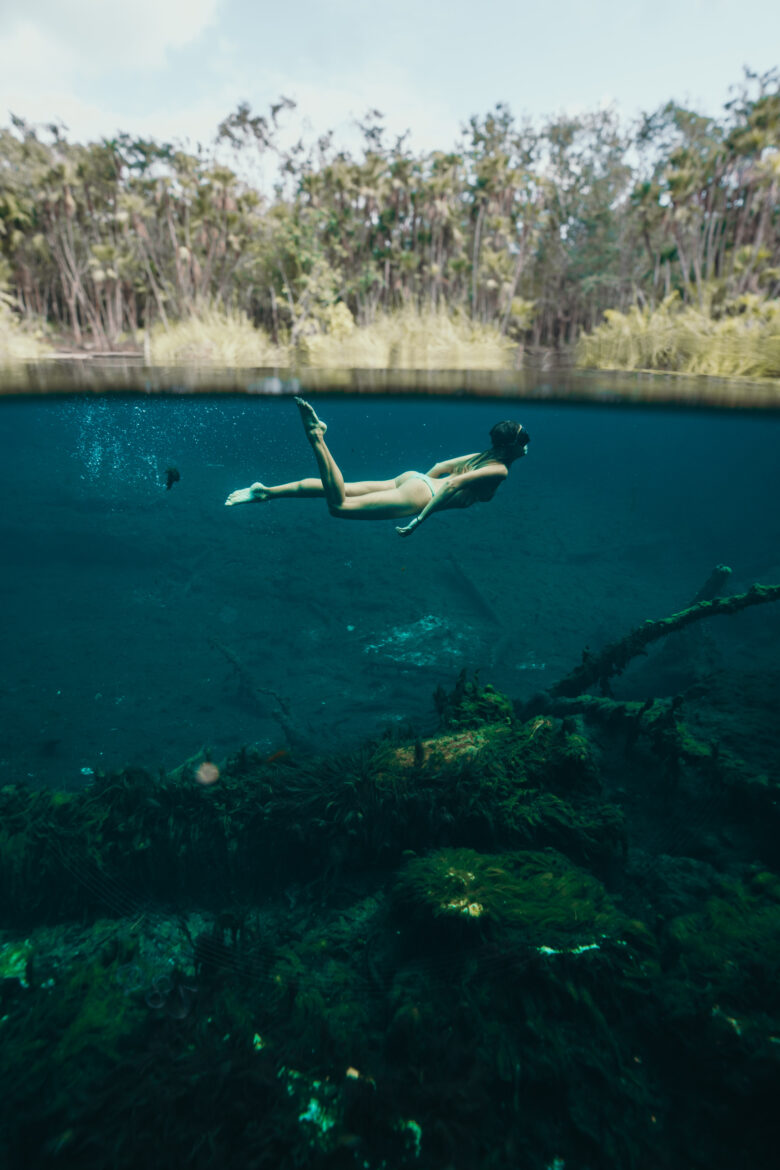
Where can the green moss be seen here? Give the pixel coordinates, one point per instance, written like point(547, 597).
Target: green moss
point(318, 994)
point(325, 955)
point(541, 894)
point(500, 783)
point(15, 958)
point(100, 1015)
point(731, 947)
point(469, 705)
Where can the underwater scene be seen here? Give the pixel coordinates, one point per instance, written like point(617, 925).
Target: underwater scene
point(328, 845)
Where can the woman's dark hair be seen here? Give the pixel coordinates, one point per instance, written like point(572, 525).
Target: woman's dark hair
point(508, 437)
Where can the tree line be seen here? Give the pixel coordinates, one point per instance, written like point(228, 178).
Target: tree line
point(534, 228)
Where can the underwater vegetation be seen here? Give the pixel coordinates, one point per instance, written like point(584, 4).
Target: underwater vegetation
point(457, 951)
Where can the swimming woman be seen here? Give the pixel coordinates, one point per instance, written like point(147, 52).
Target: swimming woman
point(455, 483)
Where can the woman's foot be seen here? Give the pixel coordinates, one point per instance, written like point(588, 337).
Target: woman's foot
point(312, 425)
point(250, 495)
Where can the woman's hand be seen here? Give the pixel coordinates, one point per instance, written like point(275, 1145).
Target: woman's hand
point(408, 529)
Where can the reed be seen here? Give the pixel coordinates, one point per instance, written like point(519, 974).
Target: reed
point(410, 339)
point(743, 342)
point(407, 339)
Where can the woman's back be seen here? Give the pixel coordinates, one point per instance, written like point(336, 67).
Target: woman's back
point(479, 491)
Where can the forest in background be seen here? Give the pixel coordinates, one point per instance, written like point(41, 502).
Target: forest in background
point(530, 231)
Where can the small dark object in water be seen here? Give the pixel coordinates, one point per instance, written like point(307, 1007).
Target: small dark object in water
point(276, 757)
point(171, 477)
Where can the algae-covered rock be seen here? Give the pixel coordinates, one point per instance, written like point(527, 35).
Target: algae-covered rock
point(543, 895)
point(498, 785)
point(469, 705)
point(412, 960)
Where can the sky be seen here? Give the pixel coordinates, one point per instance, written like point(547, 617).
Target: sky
point(173, 69)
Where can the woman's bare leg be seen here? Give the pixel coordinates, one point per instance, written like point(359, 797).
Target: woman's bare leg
point(259, 492)
point(402, 499)
point(332, 479)
point(381, 499)
point(331, 485)
point(304, 489)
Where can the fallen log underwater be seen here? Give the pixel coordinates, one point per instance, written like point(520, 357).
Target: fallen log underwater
point(613, 659)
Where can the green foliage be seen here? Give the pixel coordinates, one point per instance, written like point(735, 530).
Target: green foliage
point(318, 982)
point(381, 257)
point(96, 1014)
point(15, 959)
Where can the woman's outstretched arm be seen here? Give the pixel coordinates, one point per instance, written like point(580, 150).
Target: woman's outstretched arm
point(449, 466)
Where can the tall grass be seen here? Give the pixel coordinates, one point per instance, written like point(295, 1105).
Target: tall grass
point(17, 343)
point(407, 339)
point(218, 337)
point(744, 342)
point(411, 339)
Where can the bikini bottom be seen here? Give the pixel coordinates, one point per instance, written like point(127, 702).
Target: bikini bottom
point(430, 484)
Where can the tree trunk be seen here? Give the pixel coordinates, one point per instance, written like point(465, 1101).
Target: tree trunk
point(519, 263)
point(75, 325)
point(274, 317)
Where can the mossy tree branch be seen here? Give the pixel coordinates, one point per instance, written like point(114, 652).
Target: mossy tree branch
point(613, 659)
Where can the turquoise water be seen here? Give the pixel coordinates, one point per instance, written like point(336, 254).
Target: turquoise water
point(146, 626)
point(122, 598)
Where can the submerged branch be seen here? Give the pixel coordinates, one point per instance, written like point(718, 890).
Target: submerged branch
point(253, 693)
point(660, 722)
point(613, 659)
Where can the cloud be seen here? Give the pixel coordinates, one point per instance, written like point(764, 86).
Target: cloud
point(89, 122)
point(53, 53)
point(326, 100)
point(97, 36)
